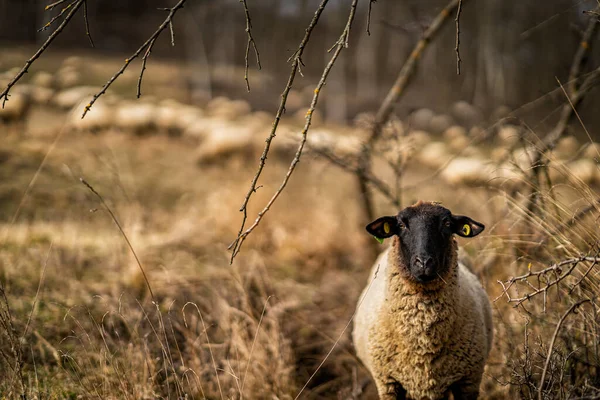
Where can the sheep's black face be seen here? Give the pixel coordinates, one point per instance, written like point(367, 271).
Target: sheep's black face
point(425, 231)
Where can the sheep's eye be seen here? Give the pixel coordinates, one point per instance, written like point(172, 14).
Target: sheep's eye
point(401, 225)
point(447, 223)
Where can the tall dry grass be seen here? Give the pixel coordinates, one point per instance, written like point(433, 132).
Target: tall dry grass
point(81, 322)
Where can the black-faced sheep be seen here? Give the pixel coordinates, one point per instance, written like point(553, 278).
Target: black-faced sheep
point(423, 326)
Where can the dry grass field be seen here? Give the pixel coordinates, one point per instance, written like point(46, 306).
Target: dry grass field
point(80, 321)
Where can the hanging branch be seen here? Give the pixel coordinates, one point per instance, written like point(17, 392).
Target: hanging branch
point(250, 42)
point(59, 29)
point(146, 46)
point(369, 17)
point(396, 91)
point(296, 60)
point(87, 24)
point(340, 44)
point(146, 55)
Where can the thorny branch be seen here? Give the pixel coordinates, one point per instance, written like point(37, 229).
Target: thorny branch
point(250, 42)
point(544, 278)
point(43, 48)
point(387, 107)
point(296, 59)
point(341, 43)
point(146, 46)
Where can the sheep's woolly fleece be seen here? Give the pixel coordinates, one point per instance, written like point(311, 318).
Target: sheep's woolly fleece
point(424, 340)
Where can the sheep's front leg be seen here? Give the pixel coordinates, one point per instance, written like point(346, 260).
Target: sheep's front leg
point(390, 389)
point(465, 391)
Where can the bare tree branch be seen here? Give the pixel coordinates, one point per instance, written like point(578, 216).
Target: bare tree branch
point(24, 70)
point(396, 91)
point(64, 10)
point(148, 51)
point(555, 270)
point(341, 43)
point(369, 17)
point(350, 166)
point(87, 24)
point(296, 60)
point(146, 45)
point(55, 4)
point(250, 42)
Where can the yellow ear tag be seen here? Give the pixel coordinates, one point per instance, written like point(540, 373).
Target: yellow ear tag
point(466, 230)
point(386, 228)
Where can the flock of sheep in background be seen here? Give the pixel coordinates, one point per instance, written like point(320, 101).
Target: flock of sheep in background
point(451, 143)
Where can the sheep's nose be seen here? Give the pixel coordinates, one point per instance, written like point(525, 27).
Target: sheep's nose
point(424, 268)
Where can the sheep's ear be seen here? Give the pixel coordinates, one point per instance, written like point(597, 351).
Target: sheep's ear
point(383, 227)
point(466, 227)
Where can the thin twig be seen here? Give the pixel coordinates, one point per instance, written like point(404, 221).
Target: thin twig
point(250, 42)
point(457, 49)
point(553, 269)
point(87, 25)
point(296, 59)
point(148, 51)
point(369, 17)
point(51, 6)
point(351, 167)
point(56, 17)
point(340, 45)
point(116, 221)
point(155, 35)
point(551, 347)
point(387, 107)
point(38, 53)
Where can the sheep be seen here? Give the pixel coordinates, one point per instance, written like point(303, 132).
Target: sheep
point(136, 117)
point(467, 171)
point(466, 114)
point(440, 123)
point(423, 325)
point(68, 98)
point(421, 119)
point(98, 118)
point(434, 155)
